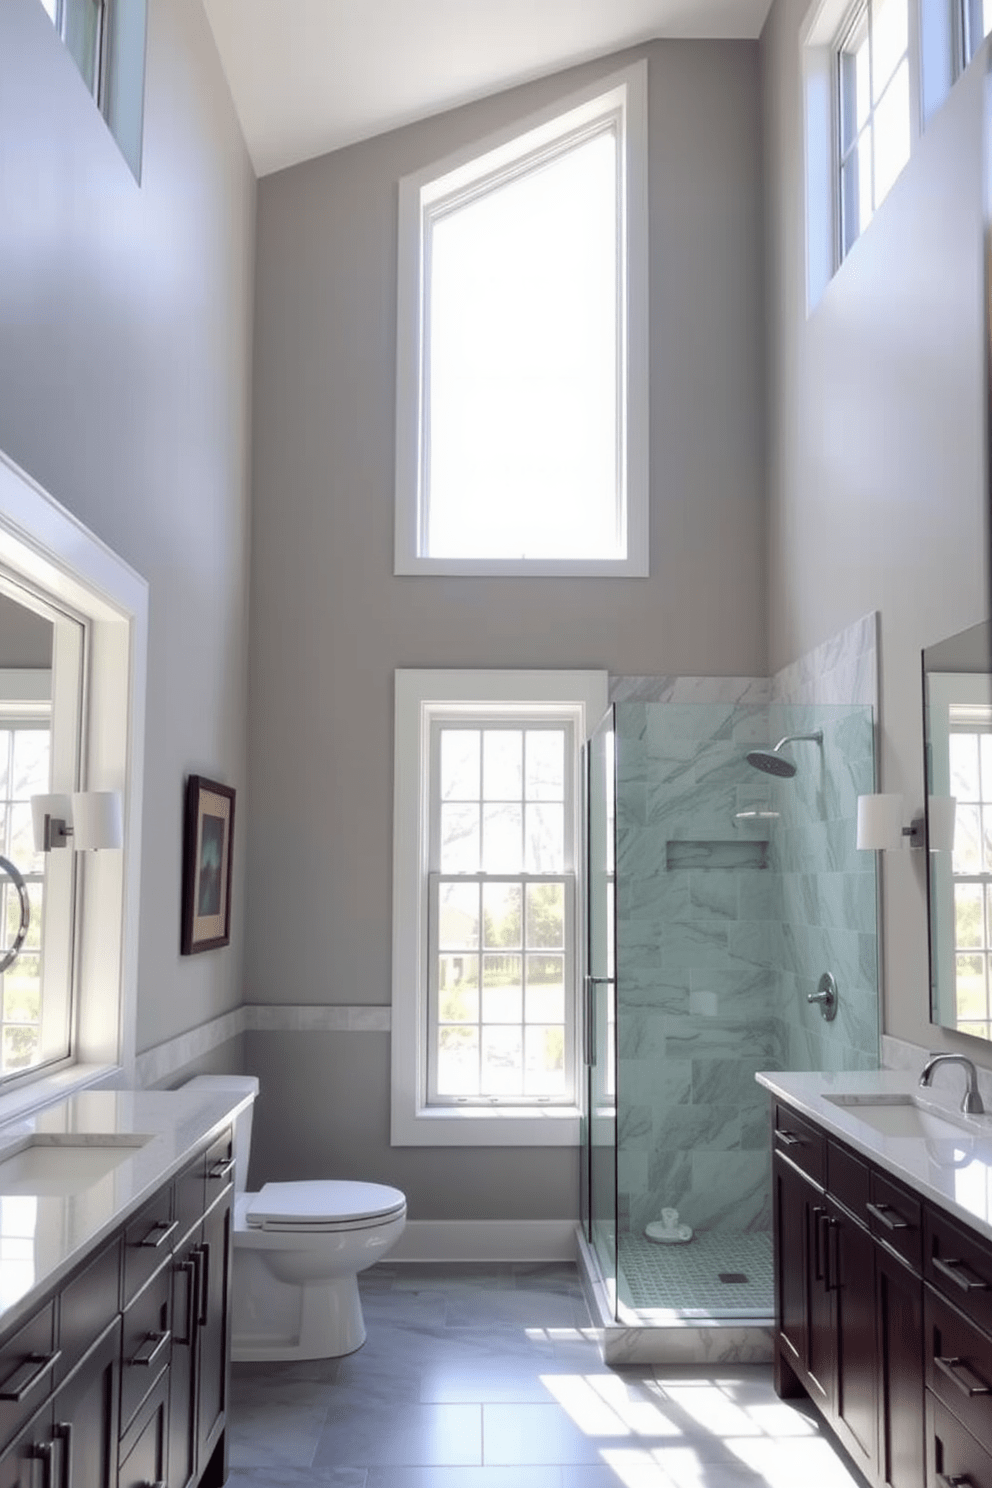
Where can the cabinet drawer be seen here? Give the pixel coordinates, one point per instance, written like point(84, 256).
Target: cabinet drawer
point(958, 1265)
point(87, 1305)
point(958, 1363)
point(147, 1342)
point(847, 1180)
point(896, 1216)
point(148, 1241)
point(799, 1141)
point(27, 1362)
point(953, 1454)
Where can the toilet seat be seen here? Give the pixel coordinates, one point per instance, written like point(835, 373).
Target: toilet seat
point(322, 1206)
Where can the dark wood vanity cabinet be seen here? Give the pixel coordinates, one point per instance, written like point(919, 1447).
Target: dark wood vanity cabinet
point(119, 1380)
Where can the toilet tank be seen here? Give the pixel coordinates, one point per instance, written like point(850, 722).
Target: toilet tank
point(238, 1086)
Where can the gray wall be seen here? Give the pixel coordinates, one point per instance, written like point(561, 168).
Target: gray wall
point(877, 484)
point(25, 638)
point(125, 356)
point(330, 623)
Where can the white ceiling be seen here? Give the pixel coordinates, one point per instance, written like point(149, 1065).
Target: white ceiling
point(308, 76)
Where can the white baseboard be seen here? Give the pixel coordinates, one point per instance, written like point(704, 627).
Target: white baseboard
point(486, 1240)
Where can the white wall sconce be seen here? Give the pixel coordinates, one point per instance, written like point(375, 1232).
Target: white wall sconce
point(92, 819)
point(880, 827)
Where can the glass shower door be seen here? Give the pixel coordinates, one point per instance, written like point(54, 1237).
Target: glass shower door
point(600, 1000)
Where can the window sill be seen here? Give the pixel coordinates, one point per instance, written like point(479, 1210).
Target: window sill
point(476, 1127)
point(57, 1085)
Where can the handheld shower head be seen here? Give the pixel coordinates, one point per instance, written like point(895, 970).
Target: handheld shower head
point(774, 763)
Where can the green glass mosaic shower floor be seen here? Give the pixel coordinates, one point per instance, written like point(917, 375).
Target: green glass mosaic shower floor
point(686, 1278)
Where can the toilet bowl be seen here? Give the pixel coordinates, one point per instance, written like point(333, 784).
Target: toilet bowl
point(298, 1249)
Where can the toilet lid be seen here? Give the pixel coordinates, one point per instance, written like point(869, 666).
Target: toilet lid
point(321, 1201)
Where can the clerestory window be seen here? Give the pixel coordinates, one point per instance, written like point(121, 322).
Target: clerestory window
point(522, 348)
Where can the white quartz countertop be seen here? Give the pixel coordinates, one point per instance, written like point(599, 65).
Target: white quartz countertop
point(955, 1173)
point(45, 1234)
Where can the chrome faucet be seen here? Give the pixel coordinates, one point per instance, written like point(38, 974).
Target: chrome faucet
point(971, 1102)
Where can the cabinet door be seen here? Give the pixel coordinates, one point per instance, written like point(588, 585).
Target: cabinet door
point(215, 1271)
point(899, 1307)
point(26, 1461)
point(792, 1200)
point(850, 1278)
point(85, 1411)
point(182, 1396)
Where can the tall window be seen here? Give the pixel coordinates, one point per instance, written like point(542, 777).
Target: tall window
point(970, 750)
point(521, 385)
point(106, 40)
point(24, 772)
point(873, 80)
point(485, 887)
point(501, 913)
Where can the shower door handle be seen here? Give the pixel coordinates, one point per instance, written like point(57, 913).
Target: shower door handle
point(589, 1030)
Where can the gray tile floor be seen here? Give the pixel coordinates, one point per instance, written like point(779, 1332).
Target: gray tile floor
point(489, 1377)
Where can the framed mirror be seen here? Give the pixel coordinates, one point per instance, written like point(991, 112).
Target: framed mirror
point(957, 691)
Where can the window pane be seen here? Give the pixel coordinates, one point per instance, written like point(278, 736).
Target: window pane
point(502, 848)
point(545, 916)
point(890, 39)
point(22, 991)
point(987, 837)
point(81, 29)
point(501, 914)
point(963, 753)
point(4, 761)
point(523, 379)
point(971, 1001)
point(891, 130)
point(855, 89)
point(459, 764)
point(458, 989)
point(969, 926)
point(502, 771)
point(545, 1061)
point(502, 989)
point(855, 191)
point(21, 1044)
point(458, 1061)
point(30, 763)
point(545, 989)
point(458, 916)
point(22, 851)
point(967, 856)
point(502, 1061)
point(545, 765)
point(459, 839)
point(545, 839)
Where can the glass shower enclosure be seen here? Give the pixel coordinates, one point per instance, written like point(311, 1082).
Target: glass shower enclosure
point(718, 891)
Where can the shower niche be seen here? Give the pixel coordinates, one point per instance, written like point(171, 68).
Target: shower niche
point(719, 890)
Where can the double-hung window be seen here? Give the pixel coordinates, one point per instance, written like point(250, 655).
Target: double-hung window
point(487, 885)
point(522, 352)
point(874, 110)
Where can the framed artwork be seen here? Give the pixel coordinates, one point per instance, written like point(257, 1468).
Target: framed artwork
point(208, 833)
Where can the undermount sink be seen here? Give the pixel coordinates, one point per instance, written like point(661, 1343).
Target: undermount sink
point(900, 1116)
point(58, 1165)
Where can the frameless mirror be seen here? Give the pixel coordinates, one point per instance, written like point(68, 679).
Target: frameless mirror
point(957, 689)
point(40, 688)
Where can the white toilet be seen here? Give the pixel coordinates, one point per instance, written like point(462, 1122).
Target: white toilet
point(298, 1249)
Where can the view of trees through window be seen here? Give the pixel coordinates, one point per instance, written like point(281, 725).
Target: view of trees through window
point(971, 785)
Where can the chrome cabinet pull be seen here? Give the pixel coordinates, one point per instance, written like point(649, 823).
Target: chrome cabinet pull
point(221, 1170)
point(151, 1349)
point(189, 1270)
point(818, 1215)
point(161, 1231)
point(202, 1254)
point(29, 1374)
point(961, 1274)
point(789, 1139)
point(967, 1381)
point(955, 1480)
point(881, 1212)
point(63, 1432)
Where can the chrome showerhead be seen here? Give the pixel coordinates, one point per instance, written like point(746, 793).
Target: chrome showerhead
point(774, 763)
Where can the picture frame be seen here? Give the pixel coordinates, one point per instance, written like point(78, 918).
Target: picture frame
point(208, 837)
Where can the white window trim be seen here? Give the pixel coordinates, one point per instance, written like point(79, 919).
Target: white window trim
point(413, 1122)
point(49, 550)
point(818, 40)
point(628, 89)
